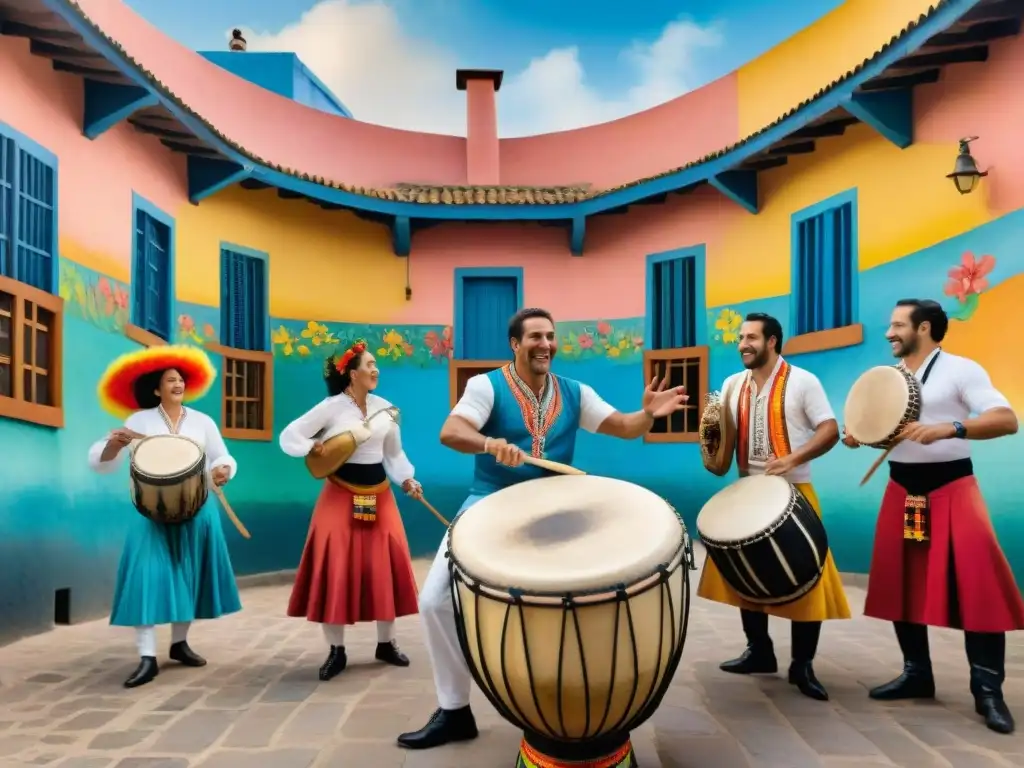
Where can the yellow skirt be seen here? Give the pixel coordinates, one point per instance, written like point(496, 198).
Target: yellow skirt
point(826, 601)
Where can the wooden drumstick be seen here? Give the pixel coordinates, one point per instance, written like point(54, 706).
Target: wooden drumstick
point(437, 514)
point(230, 512)
point(881, 459)
point(553, 466)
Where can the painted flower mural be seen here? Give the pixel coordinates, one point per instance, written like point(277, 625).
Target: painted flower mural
point(313, 340)
point(92, 297)
point(584, 340)
point(193, 331)
point(727, 326)
point(967, 281)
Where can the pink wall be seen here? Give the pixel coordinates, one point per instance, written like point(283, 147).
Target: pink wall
point(96, 178)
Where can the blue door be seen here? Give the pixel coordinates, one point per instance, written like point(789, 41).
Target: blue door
point(487, 305)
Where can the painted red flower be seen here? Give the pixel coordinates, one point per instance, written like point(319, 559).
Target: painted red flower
point(440, 345)
point(969, 277)
point(603, 328)
point(586, 341)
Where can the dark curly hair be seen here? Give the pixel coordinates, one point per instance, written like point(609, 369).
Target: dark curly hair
point(338, 381)
point(145, 388)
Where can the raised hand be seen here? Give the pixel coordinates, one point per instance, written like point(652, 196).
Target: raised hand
point(658, 401)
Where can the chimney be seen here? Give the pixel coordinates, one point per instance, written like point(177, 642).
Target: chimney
point(237, 42)
point(482, 158)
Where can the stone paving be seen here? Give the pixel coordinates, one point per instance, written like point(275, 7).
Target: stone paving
point(258, 704)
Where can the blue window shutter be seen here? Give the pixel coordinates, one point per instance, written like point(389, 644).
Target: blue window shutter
point(488, 303)
point(675, 304)
point(7, 195)
point(151, 292)
point(823, 283)
point(139, 272)
point(243, 300)
point(34, 248)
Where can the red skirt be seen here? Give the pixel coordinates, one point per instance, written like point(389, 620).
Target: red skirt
point(959, 578)
point(353, 570)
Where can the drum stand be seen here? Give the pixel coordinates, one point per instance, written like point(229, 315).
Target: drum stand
point(613, 750)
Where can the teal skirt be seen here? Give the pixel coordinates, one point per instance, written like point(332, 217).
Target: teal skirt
point(174, 573)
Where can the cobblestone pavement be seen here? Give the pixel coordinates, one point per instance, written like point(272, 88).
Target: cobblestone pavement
point(258, 704)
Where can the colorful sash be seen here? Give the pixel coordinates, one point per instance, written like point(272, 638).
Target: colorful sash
point(778, 431)
point(364, 498)
point(538, 415)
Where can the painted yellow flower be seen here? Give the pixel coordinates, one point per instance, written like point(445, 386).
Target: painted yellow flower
point(283, 338)
point(567, 348)
point(382, 352)
point(729, 322)
point(624, 344)
point(318, 334)
point(303, 350)
point(393, 338)
point(614, 352)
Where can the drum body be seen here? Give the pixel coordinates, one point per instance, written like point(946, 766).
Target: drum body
point(168, 478)
point(572, 600)
point(717, 433)
point(765, 538)
point(337, 450)
point(882, 401)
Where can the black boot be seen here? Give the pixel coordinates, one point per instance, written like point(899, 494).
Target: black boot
point(444, 727)
point(183, 654)
point(916, 681)
point(389, 654)
point(986, 652)
point(335, 664)
point(801, 669)
point(759, 656)
point(144, 673)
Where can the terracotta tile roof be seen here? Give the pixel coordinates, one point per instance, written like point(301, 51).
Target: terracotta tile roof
point(499, 195)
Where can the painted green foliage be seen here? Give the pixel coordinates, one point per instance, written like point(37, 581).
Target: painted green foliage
point(92, 297)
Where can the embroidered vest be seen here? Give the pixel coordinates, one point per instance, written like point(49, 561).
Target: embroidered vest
point(778, 431)
point(514, 417)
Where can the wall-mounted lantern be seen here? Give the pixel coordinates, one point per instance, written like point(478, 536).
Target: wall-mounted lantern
point(965, 172)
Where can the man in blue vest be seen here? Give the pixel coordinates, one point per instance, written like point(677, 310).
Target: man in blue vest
point(521, 408)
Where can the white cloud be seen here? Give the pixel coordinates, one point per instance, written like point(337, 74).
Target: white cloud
point(385, 76)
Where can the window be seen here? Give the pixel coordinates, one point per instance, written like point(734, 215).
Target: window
point(152, 274)
point(824, 276)
point(485, 300)
point(248, 399)
point(31, 316)
point(676, 325)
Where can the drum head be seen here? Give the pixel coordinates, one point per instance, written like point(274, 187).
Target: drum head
point(876, 404)
point(165, 455)
point(566, 533)
point(744, 509)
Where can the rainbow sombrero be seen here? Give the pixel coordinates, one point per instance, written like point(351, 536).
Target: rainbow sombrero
point(116, 387)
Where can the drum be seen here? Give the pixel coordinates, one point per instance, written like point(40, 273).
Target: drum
point(882, 401)
point(168, 478)
point(339, 448)
point(717, 433)
point(765, 538)
point(572, 597)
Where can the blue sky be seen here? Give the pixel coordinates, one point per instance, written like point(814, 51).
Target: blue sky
point(503, 34)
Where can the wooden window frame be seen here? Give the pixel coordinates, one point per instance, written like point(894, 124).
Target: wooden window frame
point(134, 332)
point(16, 407)
point(699, 353)
point(267, 360)
point(477, 366)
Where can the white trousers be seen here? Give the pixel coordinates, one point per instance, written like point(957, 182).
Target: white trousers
point(452, 677)
point(145, 637)
point(335, 633)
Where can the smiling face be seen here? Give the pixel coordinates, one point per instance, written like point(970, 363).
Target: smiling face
point(172, 388)
point(366, 374)
point(755, 349)
point(903, 338)
point(537, 348)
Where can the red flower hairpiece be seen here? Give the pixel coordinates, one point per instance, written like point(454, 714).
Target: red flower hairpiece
point(356, 349)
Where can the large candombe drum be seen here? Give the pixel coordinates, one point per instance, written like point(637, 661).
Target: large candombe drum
point(765, 539)
point(168, 478)
point(572, 597)
point(881, 402)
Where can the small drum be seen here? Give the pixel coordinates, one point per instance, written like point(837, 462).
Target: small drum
point(339, 448)
point(717, 433)
point(572, 597)
point(765, 538)
point(168, 478)
point(882, 401)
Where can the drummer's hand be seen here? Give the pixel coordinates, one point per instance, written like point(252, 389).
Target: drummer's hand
point(504, 452)
point(317, 449)
point(413, 488)
point(658, 401)
point(926, 434)
point(848, 441)
point(781, 466)
point(122, 437)
point(221, 475)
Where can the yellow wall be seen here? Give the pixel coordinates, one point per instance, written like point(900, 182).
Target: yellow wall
point(327, 265)
point(753, 258)
point(802, 65)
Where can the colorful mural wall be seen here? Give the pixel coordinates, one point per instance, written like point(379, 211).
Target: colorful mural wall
point(334, 278)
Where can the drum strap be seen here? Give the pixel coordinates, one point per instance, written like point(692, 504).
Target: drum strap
point(915, 510)
point(364, 498)
point(778, 430)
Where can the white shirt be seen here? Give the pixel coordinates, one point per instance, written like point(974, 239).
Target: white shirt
point(195, 425)
point(806, 409)
point(337, 414)
point(477, 402)
point(957, 389)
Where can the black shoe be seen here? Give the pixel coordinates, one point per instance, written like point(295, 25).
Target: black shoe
point(389, 654)
point(986, 652)
point(996, 713)
point(753, 661)
point(916, 682)
point(181, 653)
point(144, 673)
point(801, 674)
point(444, 727)
point(336, 662)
